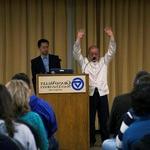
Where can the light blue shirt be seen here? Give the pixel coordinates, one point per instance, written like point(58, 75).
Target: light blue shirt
point(46, 62)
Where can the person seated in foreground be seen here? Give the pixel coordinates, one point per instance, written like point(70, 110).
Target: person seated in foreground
point(20, 133)
point(20, 98)
point(140, 114)
point(121, 105)
point(44, 110)
point(110, 144)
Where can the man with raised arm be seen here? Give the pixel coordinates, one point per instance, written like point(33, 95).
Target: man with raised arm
point(96, 67)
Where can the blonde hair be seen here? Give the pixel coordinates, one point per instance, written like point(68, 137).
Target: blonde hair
point(20, 96)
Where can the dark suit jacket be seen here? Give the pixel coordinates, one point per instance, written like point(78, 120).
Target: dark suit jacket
point(120, 106)
point(37, 66)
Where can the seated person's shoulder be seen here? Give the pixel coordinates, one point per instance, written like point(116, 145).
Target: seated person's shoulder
point(34, 114)
point(121, 104)
point(124, 97)
point(37, 102)
point(21, 128)
point(19, 125)
point(30, 116)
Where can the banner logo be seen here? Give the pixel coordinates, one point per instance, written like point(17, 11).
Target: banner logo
point(77, 84)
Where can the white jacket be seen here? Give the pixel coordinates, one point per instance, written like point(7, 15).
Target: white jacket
point(97, 70)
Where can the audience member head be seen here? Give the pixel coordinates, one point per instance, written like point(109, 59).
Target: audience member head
point(23, 77)
point(141, 96)
point(138, 76)
point(20, 96)
point(6, 109)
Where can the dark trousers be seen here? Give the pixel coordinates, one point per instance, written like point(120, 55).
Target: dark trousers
point(100, 104)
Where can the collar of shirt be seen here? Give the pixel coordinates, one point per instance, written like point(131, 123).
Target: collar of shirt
point(44, 56)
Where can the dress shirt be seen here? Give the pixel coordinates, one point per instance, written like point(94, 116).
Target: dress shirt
point(45, 60)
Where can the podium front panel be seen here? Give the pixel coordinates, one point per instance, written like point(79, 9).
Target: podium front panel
point(71, 106)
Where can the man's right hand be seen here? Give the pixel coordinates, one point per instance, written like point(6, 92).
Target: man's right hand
point(80, 34)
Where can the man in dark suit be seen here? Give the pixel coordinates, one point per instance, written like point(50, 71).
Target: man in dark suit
point(43, 63)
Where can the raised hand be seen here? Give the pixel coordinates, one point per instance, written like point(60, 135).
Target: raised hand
point(109, 32)
point(80, 34)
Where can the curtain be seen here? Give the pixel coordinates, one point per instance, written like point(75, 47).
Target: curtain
point(23, 22)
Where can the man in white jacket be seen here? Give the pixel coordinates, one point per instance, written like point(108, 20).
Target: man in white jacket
point(96, 67)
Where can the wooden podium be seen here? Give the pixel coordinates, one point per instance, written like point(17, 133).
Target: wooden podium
point(68, 95)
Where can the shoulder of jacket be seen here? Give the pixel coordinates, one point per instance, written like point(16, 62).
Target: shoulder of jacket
point(35, 59)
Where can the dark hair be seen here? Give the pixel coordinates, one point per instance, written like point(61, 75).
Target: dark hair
point(42, 41)
point(141, 96)
point(138, 76)
point(6, 110)
point(23, 77)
